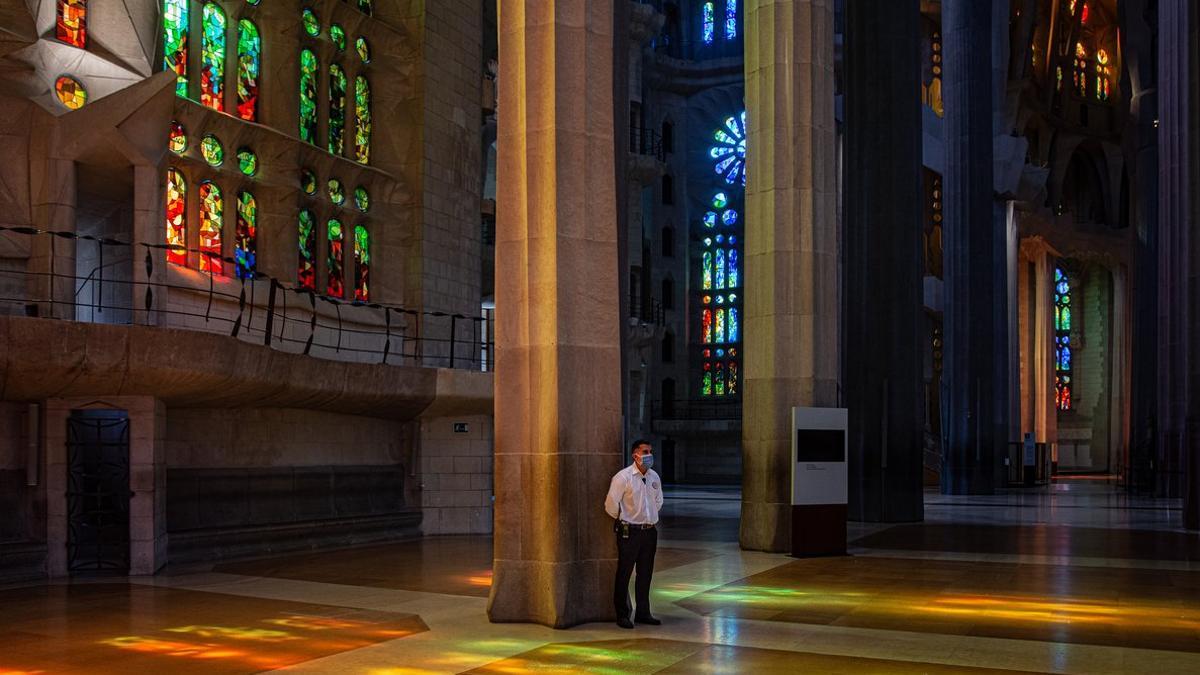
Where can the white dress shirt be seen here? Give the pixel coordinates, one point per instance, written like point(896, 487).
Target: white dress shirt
point(634, 497)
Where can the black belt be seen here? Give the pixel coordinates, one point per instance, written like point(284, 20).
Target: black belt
point(638, 526)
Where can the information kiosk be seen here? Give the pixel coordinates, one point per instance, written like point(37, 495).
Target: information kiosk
point(819, 481)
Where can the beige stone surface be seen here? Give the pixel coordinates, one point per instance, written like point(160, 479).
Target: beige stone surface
point(791, 250)
point(557, 368)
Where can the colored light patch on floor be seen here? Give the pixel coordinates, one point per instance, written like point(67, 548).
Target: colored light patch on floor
point(129, 628)
point(450, 565)
point(1148, 609)
point(617, 657)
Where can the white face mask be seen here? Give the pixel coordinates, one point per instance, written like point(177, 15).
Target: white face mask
point(647, 462)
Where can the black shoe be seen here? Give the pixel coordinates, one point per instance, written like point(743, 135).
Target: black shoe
point(624, 622)
point(649, 620)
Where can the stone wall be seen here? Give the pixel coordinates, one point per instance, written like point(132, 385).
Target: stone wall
point(22, 506)
point(456, 475)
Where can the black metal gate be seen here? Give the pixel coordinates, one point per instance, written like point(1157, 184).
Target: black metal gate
point(98, 491)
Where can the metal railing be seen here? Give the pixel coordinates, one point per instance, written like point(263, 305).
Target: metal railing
point(698, 409)
point(643, 141)
point(264, 310)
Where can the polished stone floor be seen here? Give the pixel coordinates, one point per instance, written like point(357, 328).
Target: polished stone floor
point(1075, 577)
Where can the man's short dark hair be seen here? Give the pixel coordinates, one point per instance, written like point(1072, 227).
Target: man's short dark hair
point(640, 441)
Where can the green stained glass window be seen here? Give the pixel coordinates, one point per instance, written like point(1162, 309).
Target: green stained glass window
point(337, 109)
point(211, 150)
point(362, 119)
point(338, 35)
point(249, 65)
point(337, 193)
point(308, 96)
point(247, 161)
point(363, 49)
point(311, 25)
point(212, 57)
point(308, 181)
point(306, 276)
point(362, 263)
point(175, 42)
point(244, 257)
point(334, 285)
point(361, 199)
point(177, 138)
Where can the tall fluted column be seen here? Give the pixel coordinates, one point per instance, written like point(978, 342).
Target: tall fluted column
point(882, 273)
point(1179, 256)
point(791, 305)
point(558, 409)
point(975, 260)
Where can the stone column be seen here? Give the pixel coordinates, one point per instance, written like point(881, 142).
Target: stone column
point(52, 259)
point(558, 408)
point(1179, 256)
point(975, 260)
point(148, 218)
point(791, 336)
point(882, 269)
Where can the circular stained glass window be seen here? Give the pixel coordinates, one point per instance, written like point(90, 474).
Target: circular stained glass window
point(211, 150)
point(177, 138)
point(719, 200)
point(308, 181)
point(247, 161)
point(364, 49)
point(70, 92)
point(338, 36)
point(337, 193)
point(729, 217)
point(311, 25)
point(361, 199)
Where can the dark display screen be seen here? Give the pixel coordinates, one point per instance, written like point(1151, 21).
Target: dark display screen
point(820, 445)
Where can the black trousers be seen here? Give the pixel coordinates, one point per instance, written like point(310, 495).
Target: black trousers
point(638, 550)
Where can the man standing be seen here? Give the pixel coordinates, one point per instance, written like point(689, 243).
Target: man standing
point(634, 498)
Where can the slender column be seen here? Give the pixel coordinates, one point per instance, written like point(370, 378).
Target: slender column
point(1179, 255)
point(881, 273)
point(975, 260)
point(558, 408)
point(791, 250)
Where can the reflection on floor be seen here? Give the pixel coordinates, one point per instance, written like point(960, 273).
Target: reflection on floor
point(125, 628)
point(1075, 577)
point(671, 656)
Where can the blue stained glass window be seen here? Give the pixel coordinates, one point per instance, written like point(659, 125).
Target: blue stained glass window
point(734, 328)
point(708, 23)
point(729, 151)
point(730, 19)
point(731, 265)
point(1063, 372)
point(720, 268)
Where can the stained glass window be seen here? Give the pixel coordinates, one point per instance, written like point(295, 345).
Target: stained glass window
point(361, 199)
point(244, 257)
point(212, 57)
point(337, 109)
point(1063, 369)
point(362, 263)
point(334, 286)
point(338, 35)
point(1085, 14)
point(72, 22)
point(362, 119)
point(312, 25)
point(176, 216)
point(1058, 78)
point(211, 150)
point(1102, 75)
point(366, 6)
point(363, 49)
point(1081, 69)
point(212, 222)
point(308, 181)
point(247, 161)
point(175, 42)
point(70, 92)
point(337, 193)
point(249, 65)
point(730, 19)
point(306, 273)
point(177, 138)
point(707, 23)
point(308, 96)
point(729, 151)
